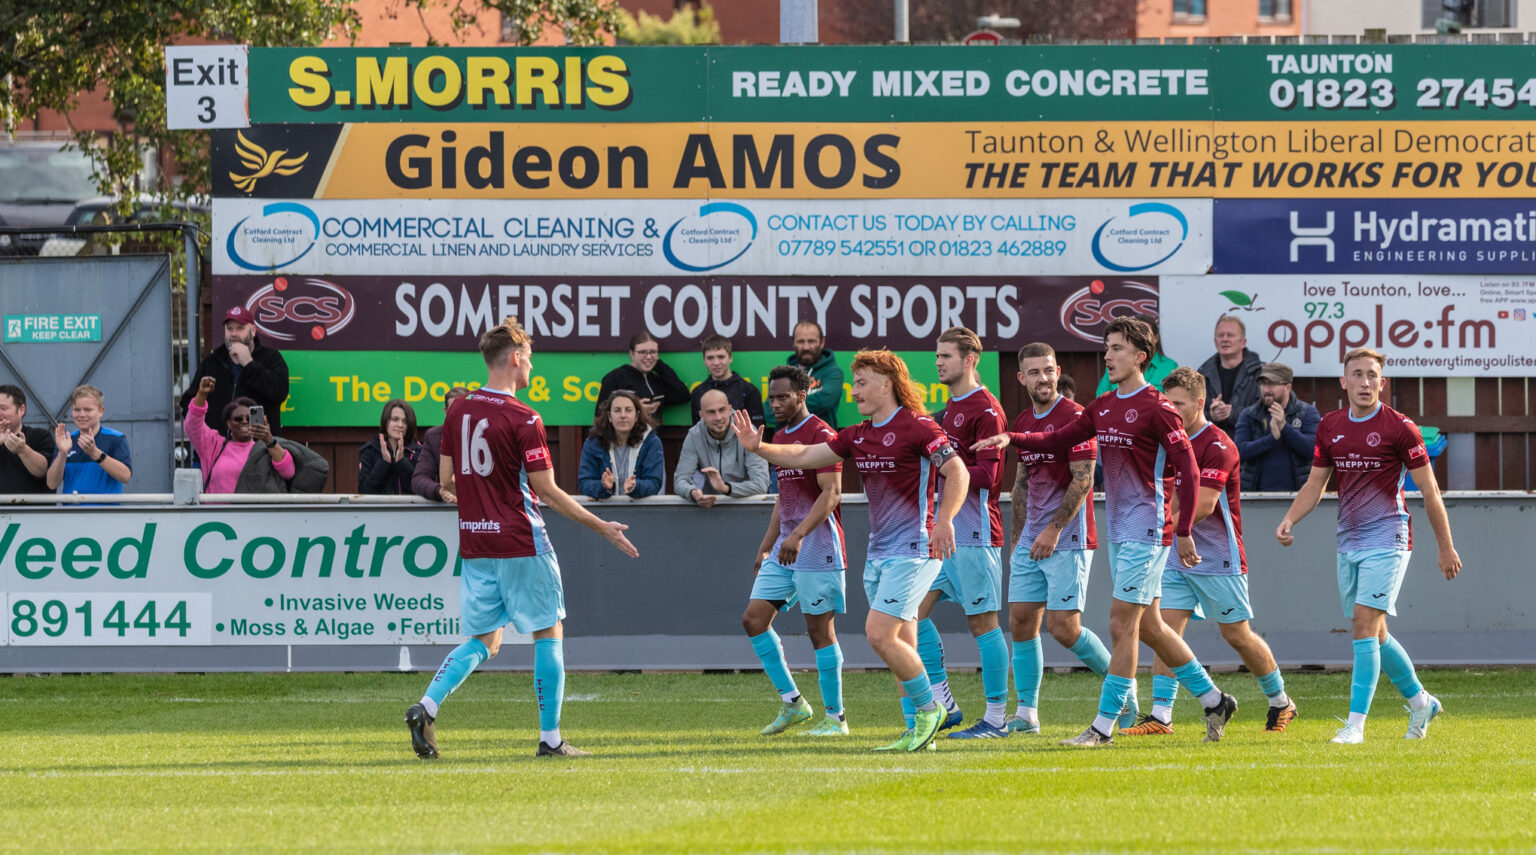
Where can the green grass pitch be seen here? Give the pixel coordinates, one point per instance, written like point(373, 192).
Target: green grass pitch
point(322, 763)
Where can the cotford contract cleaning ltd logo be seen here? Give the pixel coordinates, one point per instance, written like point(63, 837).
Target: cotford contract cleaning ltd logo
point(721, 233)
point(290, 307)
point(284, 233)
point(1148, 235)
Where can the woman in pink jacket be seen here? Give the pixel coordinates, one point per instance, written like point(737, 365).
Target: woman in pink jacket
point(224, 459)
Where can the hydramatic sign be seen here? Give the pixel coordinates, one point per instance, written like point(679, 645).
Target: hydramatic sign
point(448, 313)
point(988, 237)
point(240, 576)
point(350, 387)
point(206, 87)
point(1361, 83)
point(52, 328)
point(1428, 326)
point(1375, 236)
point(906, 159)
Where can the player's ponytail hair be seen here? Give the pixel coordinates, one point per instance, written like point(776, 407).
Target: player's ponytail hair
point(498, 340)
point(889, 365)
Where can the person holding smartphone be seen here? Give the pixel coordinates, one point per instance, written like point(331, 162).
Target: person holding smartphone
point(250, 459)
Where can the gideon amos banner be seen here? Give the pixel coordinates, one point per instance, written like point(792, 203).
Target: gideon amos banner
point(983, 237)
point(1428, 326)
point(350, 387)
point(1375, 236)
point(232, 576)
point(905, 159)
point(875, 84)
point(448, 313)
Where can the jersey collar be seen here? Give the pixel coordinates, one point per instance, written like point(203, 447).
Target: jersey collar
point(1048, 410)
point(887, 418)
point(969, 394)
point(1200, 431)
point(1133, 394)
point(797, 425)
point(1366, 418)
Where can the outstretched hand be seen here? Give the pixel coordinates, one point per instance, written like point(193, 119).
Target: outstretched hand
point(750, 437)
point(998, 441)
point(613, 532)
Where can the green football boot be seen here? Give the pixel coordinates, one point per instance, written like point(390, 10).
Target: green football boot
point(829, 726)
point(926, 727)
point(790, 715)
point(905, 744)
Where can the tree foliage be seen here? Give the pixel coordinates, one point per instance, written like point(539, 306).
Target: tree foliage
point(687, 26)
point(53, 52)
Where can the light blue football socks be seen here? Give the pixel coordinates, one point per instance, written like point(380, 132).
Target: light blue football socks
point(1091, 651)
point(1399, 668)
point(920, 691)
point(1028, 667)
point(549, 684)
point(1111, 700)
point(829, 672)
point(770, 652)
point(994, 674)
point(456, 668)
point(1362, 682)
point(1165, 690)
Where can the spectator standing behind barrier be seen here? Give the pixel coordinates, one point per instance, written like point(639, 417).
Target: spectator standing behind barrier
point(1275, 436)
point(385, 464)
point(647, 376)
point(98, 460)
point(742, 393)
point(251, 459)
point(1158, 367)
point(713, 463)
point(243, 368)
point(1066, 387)
point(812, 354)
point(29, 458)
point(424, 479)
point(622, 454)
point(1231, 375)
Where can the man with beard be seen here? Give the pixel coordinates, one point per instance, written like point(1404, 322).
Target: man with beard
point(1053, 539)
point(826, 377)
point(30, 460)
point(1275, 435)
point(243, 367)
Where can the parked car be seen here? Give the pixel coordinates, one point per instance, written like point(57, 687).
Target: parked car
point(102, 211)
point(40, 185)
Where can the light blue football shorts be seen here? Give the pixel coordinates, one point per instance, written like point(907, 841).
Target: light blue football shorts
point(1136, 570)
point(896, 586)
point(1371, 577)
point(972, 577)
point(816, 591)
point(524, 592)
point(1223, 597)
point(1060, 581)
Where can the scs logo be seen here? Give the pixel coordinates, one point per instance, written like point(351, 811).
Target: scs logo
point(289, 308)
point(1089, 310)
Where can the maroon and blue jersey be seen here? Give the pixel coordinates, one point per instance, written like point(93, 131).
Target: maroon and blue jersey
point(966, 421)
point(495, 440)
point(1218, 537)
point(1139, 436)
point(1050, 474)
point(1370, 458)
point(898, 460)
point(824, 548)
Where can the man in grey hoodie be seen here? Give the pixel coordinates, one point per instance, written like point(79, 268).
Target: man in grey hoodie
point(713, 463)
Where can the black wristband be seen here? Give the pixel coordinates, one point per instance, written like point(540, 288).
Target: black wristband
point(101, 457)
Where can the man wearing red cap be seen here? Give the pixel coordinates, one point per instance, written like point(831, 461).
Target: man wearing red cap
point(243, 368)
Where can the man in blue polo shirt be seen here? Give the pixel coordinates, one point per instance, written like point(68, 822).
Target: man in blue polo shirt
point(98, 460)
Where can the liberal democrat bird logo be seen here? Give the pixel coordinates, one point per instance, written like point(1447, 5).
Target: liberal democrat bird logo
point(264, 164)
